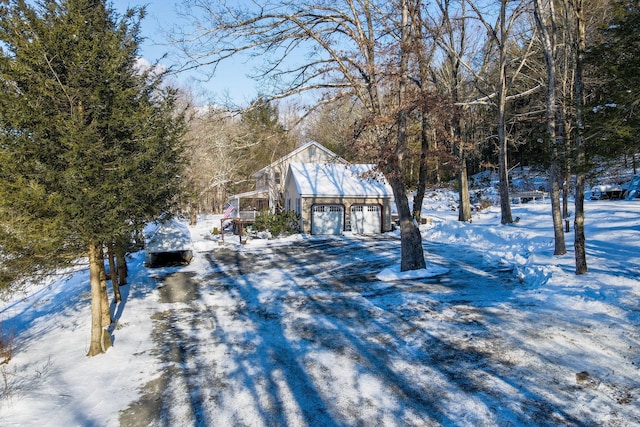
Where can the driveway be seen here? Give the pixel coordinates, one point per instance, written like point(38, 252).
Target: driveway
point(304, 334)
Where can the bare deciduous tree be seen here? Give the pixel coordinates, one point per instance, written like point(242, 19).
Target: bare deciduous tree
point(499, 37)
point(545, 16)
point(213, 162)
point(346, 48)
point(579, 49)
point(452, 40)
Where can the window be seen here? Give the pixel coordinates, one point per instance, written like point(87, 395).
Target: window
point(277, 177)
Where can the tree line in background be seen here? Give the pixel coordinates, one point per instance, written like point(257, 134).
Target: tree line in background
point(431, 91)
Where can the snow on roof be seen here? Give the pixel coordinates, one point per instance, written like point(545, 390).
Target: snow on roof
point(170, 235)
point(295, 152)
point(338, 180)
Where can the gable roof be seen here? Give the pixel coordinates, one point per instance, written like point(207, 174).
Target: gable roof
point(338, 180)
point(295, 152)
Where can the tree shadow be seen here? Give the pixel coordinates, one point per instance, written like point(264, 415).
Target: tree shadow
point(305, 334)
point(341, 310)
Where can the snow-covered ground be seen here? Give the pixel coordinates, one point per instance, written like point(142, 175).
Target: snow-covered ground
point(318, 331)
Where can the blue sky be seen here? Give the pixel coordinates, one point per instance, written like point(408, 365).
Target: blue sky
point(161, 16)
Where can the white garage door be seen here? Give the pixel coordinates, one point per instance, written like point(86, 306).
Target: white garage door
point(327, 219)
point(366, 219)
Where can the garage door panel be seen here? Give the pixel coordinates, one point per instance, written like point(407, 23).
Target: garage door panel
point(327, 219)
point(366, 219)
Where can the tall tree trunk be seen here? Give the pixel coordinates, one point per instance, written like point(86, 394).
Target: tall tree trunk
point(454, 53)
point(579, 242)
point(113, 273)
point(547, 33)
point(503, 162)
point(412, 255)
point(568, 94)
point(417, 41)
point(564, 178)
point(99, 336)
point(464, 208)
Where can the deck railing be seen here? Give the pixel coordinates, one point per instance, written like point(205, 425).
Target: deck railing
point(247, 215)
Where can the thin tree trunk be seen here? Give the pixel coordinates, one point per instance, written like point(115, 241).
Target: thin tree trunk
point(503, 171)
point(113, 273)
point(423, 171)
point(464, 213)
point(193, 214)
point(579, 242)
point(503, 163)
point(564, 177)
point(436, 167)
point(99, 337)
point(560, 247)
point(566, 183)
point(121, 262)
point(453, 57)
point(547, 33)
point(417, 41)
point(464, 208)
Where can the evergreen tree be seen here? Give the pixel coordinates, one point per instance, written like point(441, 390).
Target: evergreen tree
point(89, 142)
point(615, 65)
point(264, 139)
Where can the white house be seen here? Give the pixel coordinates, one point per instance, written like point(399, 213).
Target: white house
point(334, 197)
point(269, 180)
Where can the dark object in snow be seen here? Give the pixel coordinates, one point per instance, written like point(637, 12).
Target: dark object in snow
point(606, 192)
point(168, 259)
point(586, 380)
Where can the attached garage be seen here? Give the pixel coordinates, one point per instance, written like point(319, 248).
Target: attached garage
point(332, 198)
point(366, 219)
point(327, 219)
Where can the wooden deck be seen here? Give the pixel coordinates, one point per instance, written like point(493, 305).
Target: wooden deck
point(238, 224)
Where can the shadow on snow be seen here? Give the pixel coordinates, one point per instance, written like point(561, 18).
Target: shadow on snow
point(270, 351)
